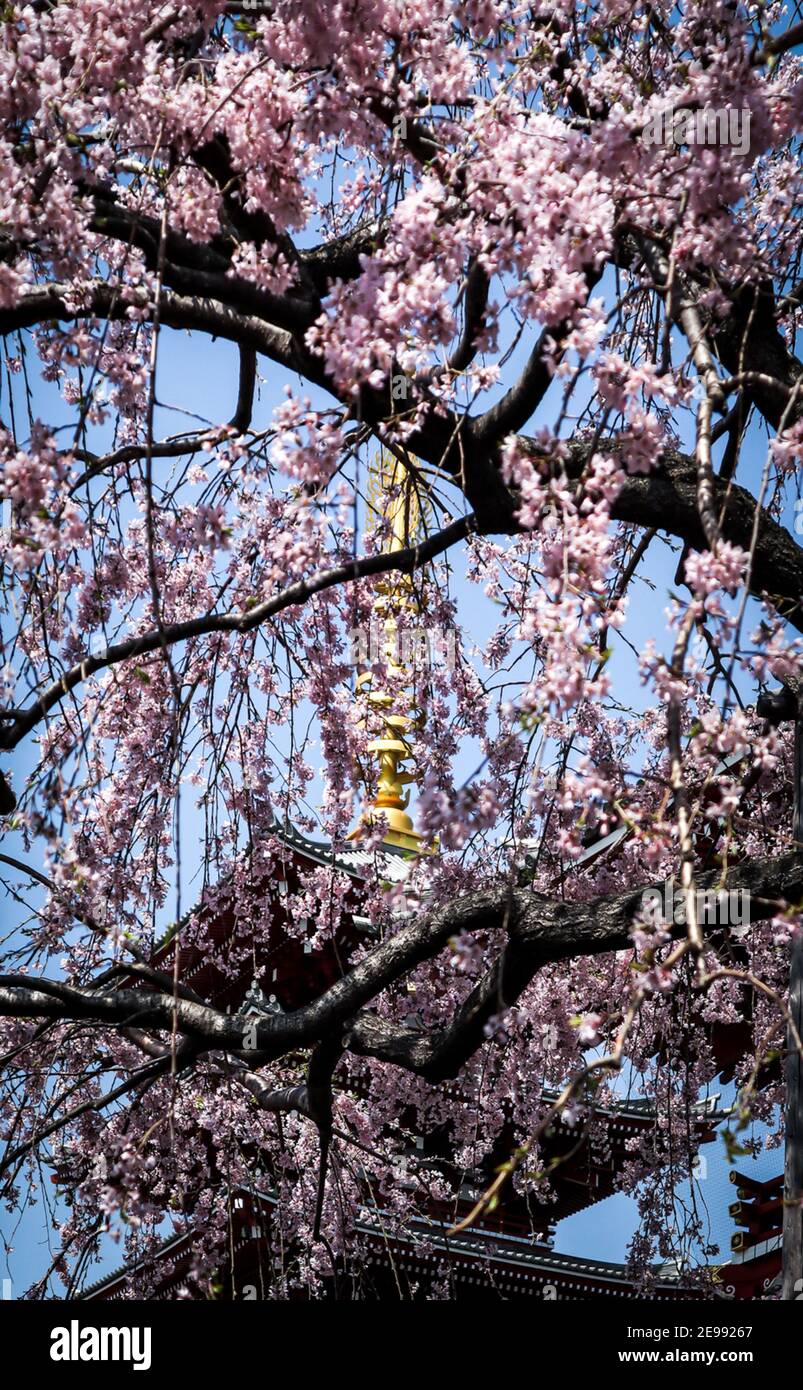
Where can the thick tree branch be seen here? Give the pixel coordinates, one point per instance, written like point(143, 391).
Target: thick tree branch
point(750, 341)
point(538, 931)
point(518, 405)
point(475, 303)
point(100, 299)
point(667, 499)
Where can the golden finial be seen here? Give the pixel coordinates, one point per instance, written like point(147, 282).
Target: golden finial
point(393, 500)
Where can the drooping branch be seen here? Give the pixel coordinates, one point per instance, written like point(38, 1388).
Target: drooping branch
point(184, 444)
point(152, 1071)
point(17, 724)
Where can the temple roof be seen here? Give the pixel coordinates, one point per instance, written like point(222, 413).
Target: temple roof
point(519, 1264)
point(347, 855)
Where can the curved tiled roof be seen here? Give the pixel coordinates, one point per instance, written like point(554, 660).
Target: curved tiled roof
point(348, 856)
point(518, 1261)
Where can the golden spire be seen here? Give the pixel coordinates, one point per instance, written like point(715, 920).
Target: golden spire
point(392, 499)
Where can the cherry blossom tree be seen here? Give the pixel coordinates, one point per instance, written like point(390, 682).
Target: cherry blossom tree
point(470, 235)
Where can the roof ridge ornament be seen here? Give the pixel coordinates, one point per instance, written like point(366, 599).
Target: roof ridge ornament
point(257, 1003)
